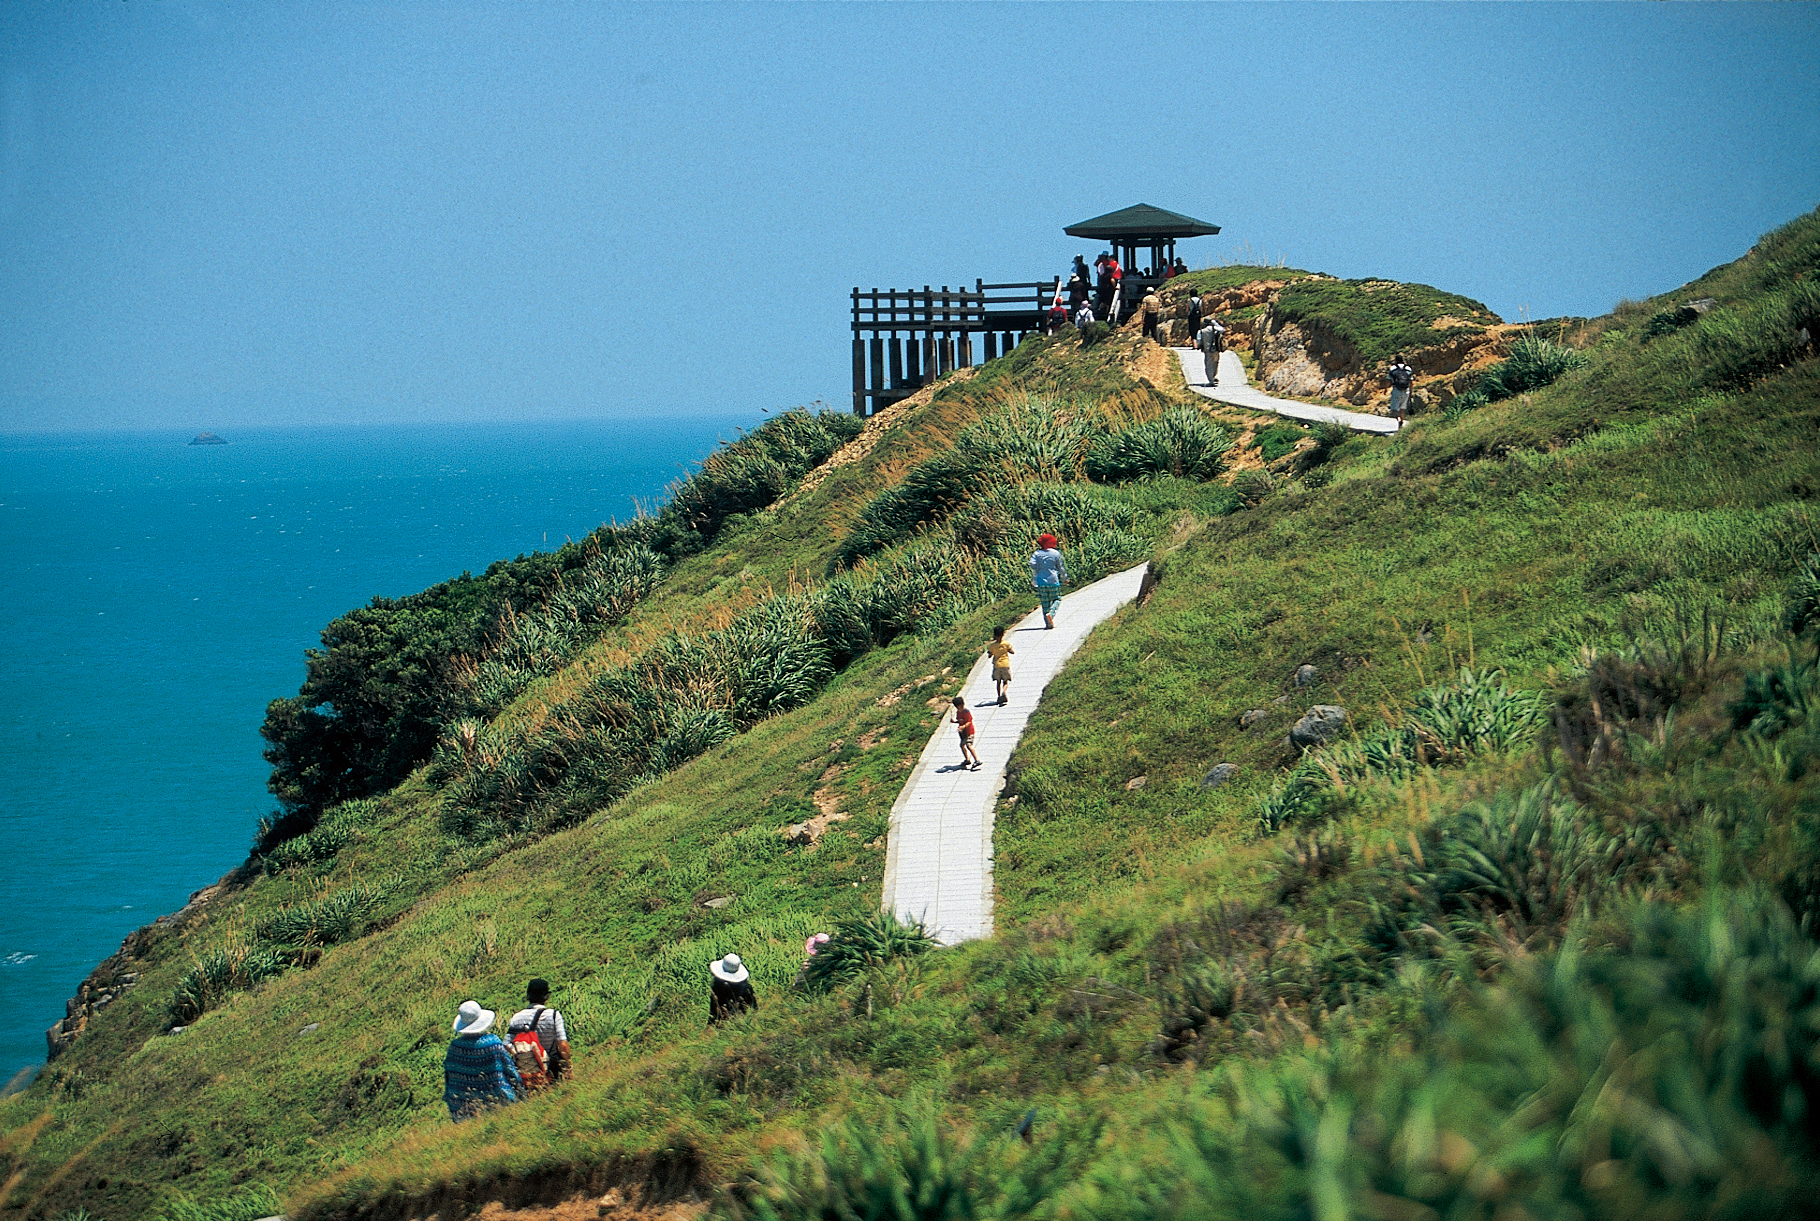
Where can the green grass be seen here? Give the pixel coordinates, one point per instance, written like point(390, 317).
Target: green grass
point(1183, 1003)
point(1379, 318)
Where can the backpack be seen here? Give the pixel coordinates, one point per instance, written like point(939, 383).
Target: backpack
point(530, 1055)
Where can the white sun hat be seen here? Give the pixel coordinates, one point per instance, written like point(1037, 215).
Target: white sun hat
point(730, 969)
point(472, 1019)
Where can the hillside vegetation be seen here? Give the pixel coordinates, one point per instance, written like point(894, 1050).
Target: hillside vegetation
point(1532, 935)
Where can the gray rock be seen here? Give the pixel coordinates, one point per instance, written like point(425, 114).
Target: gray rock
point(312, 1028)
point(1304, 675)
point(1322, 723)
point(1221, 773)
point(1252, 717)
point(719, 903)
point(1136, 782)
point(1702, 305)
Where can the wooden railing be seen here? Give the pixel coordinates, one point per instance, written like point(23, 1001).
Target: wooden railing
point(903, 339)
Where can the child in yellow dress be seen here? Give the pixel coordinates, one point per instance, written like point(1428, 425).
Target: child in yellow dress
point(1000, 651)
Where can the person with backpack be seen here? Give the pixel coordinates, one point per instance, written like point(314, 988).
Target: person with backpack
point(1194, 316)
point(1153, 310)
point(539, 1039)
point(1211, 341)
point(1401, 378)
point(478, 1072)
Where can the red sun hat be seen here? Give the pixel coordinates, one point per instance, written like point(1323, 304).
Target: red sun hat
point(1046, 541)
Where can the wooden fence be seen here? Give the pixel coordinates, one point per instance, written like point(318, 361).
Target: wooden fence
point(903, 339)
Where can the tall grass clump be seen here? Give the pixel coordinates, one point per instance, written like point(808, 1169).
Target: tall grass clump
point(250, 1203)
point(1181, 443)
point(758, 468)
point(337, 916)
point(1445, 723)
point(1534, 362)
point(218, 973)
point(1029, 439)
point(865, 943)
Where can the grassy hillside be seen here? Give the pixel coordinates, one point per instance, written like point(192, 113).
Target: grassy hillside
point(1533, 934)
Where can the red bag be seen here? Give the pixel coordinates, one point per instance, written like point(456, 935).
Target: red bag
point(531, 1057)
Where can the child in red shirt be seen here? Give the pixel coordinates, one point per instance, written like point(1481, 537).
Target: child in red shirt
point(963, 721)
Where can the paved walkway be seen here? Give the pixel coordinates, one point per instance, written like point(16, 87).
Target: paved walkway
point(1235, 389)
point(938, 862)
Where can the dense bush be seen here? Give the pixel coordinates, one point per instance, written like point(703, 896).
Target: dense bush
point(392, 675)
point(1182, 443)
point(1533, 362)
point(1679, 1078)
point(1379, 318)
point(863, 943)
point(220, 972)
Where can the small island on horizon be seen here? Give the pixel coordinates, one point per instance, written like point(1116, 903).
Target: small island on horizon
point(208, 438)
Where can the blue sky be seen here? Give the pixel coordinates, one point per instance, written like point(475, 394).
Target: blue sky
point(215, 214)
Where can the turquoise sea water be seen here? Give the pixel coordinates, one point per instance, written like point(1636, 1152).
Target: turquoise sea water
point(157, 594)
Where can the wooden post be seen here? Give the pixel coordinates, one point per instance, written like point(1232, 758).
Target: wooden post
point(897, 362)
point(878, 367)
point(859, 361)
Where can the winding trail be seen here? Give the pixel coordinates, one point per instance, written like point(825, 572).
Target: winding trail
point(1236, 389)
point(938, 859)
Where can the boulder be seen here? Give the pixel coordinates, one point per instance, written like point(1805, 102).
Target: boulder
point(1221, 773)
point(1252, 716)
point(1305, 675)
point(1136, 782)
point(1321, 723)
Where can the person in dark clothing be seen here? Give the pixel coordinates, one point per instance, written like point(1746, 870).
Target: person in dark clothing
point(1194, 316)
point(1080, 269)
point(730, 991)
point(1078, 292)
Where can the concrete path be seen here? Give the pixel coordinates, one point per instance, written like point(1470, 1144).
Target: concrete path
point(938, 860)
point(1235, 389)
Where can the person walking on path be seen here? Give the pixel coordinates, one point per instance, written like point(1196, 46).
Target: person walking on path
point(730, 990)
point(552, 1034)
point(963, 723)
point(1401, 378)
point(1194, 316)
point(1153, 309)
point(1083, 318)
point(1000, 651)
point(1048, 574)
point(478, 1072)
point(1210, 341)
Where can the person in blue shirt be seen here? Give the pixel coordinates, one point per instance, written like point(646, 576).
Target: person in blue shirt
point(478, 1072)
point(1048, 574)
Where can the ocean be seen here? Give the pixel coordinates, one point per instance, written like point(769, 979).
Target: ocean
point(158, 594)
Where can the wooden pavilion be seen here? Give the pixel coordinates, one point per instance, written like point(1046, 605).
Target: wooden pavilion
point(1138, 227)
point(905, 338)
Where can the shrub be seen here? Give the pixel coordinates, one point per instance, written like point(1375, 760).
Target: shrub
point(1277, 440)
point(1181, 443)
point(1534, 362)
point(1803, 610)
point(338, 916)
point(220, 972)
point(862, 944)
point(249, 1204)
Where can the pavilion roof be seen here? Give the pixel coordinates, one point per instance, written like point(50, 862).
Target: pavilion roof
point(1141, 221)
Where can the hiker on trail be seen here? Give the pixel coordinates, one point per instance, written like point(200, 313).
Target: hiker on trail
point(730, 991)
point(1000, 651)
point(539, 1039)
point(1194, 316)
point(1083, 318)
point(1079, 290)
point(1401, 378)
point(1211, 341)
point(1047, 574)
point(478, 1072)
point(963, 723)
point(1117, 302)
point(1153, 309)
point(1080, 269)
